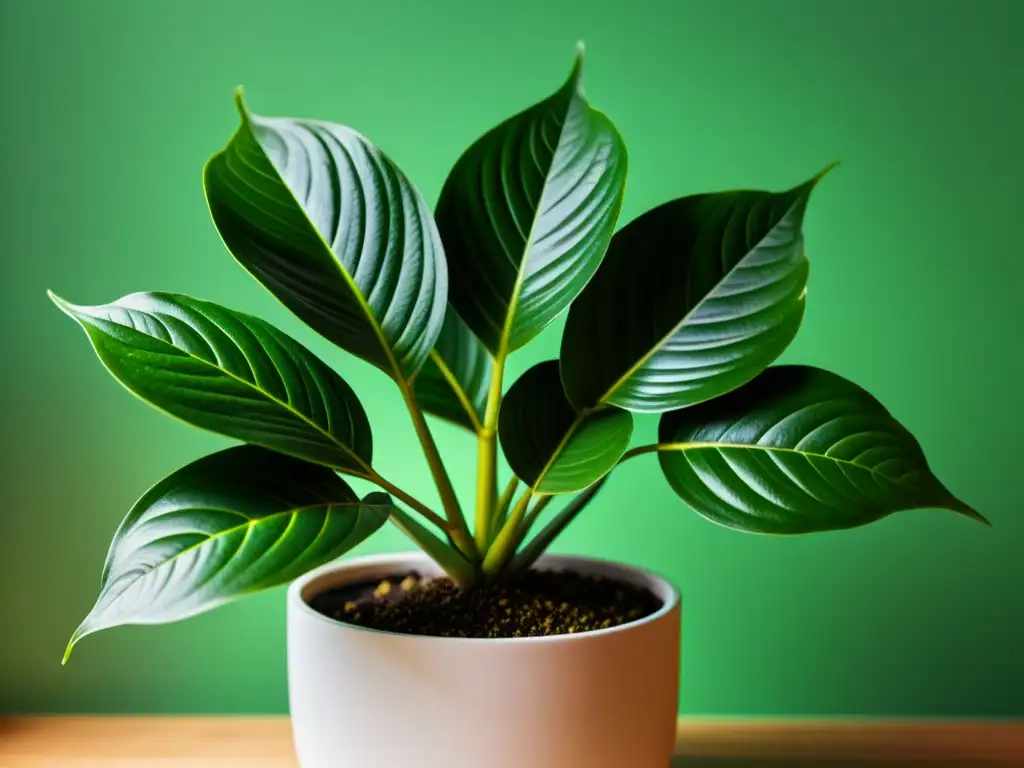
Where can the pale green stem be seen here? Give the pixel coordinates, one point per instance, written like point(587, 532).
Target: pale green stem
point(487, 459)
point(505, 542)
point(410, 500)
point(501, 510)
point(530, 519)
point(457, 528)
point(461, 571)
point(653, 448)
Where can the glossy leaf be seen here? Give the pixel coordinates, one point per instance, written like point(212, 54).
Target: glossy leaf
point(230, 373)
point(331, 227)
point(453, 383)
point(548, 444)
point(797, 450)
point(695, 298)
point(526, 215)
point(230, 524)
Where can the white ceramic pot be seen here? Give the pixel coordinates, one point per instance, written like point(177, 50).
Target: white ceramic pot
point(362, 698)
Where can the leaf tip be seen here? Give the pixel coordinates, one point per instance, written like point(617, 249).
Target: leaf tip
point(576, 76)
point(75, 637)
point(240, 101)
point(972, 513)
point(63, 304)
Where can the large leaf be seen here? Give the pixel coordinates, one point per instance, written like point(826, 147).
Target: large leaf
point(230, 524)
point(695, 298)
point(229, 373)
point(453, 383)
point(526, 215)
point(336, 231)
point(797, 450)
point(548, 444)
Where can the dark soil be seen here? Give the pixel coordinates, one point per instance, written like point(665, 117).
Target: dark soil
point(536, 604)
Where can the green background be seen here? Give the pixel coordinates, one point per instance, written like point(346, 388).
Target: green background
point(109, 110)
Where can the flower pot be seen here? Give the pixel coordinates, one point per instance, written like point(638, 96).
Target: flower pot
point(362, 698)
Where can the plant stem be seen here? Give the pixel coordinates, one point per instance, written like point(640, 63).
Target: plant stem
point(653, 448)
point(501, 510)
point(461, 571)
point(539, 543)
point(487, 459)
point(457, 528)
point(504, 543)
point(410, 500)
point(531, 518)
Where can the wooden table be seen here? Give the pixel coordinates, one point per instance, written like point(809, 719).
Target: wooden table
point(265, 742)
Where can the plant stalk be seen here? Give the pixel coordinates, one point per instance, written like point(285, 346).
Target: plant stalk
point(487, 459)
point(456, 527)
point(458, 569)
point(505, 542)
point(501, 510)
point(409, 500)
point(531, 518)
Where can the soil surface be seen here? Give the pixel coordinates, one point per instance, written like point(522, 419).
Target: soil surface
point(535, 604)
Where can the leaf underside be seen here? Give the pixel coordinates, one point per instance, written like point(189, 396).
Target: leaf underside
point(797, 450)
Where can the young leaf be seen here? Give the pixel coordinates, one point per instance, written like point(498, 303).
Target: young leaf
point(331, 227)
point(526, 215)
point(797, 450)
point(229, 373)
point(453, 383)
point(233, 523)
point(695, 298)
point(550, 446)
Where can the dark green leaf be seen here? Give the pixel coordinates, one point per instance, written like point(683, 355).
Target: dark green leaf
point(695, 298)
point(453, 383)
point(229, 373)
point(230, 524)
point(526, 215)
point(797, 450)
point(336, 231)
point(549, 445)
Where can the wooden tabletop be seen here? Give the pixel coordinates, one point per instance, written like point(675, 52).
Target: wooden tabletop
point(265, 742)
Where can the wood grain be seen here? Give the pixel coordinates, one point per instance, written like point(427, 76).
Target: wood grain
point(265, 742)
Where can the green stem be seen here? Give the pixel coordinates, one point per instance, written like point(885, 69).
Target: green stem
point(539, 543)
point(501, 510)
point(505, 542)
point(409, 500)
point(487, 459)
point(653, 448)
point(531, 518)
point(457, 528)
point(461, 571)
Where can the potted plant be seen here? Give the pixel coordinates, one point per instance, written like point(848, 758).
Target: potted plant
point(482, 650)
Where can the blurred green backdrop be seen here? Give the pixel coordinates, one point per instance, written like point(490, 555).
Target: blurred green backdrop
point(109, 110)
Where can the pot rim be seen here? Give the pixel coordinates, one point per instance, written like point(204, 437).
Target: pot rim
point(658, 584)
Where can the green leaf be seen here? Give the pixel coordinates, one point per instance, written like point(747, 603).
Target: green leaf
point(331, 227)
point(548, 444)
point(695, 298)
point(233, 523)
point(526, 215)
point(229, 373)
point(453, 383)
point(797, 450)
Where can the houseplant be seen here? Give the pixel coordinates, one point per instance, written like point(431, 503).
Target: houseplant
point(680, 312)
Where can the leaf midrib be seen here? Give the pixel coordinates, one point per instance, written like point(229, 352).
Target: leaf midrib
point(709, 445)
